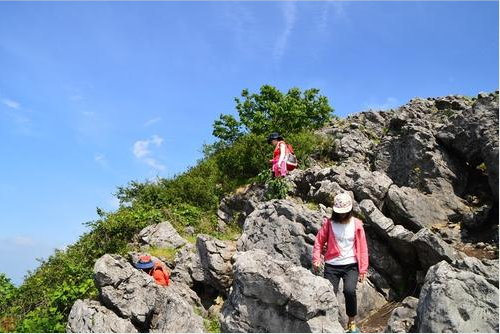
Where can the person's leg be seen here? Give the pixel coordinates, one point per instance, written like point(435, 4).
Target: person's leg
point(333, 275)
point(350, 282)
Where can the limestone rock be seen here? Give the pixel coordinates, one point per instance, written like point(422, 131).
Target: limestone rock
point(275, 296)
point(188, 268)
point(431, 249)
point(284, 229)
point(134, 295)
point(454, 300)
point(162, 235)
point(89, 316)
point(402, 318)
point(215, 258)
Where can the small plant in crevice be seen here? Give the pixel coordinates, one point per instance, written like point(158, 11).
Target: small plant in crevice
point(276, 187)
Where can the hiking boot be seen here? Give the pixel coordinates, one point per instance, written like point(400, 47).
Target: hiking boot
point(352, 328)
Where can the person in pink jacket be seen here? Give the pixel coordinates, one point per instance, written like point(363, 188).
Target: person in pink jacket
point(346, 254)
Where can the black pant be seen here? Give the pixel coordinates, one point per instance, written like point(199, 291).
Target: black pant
point(349, 273)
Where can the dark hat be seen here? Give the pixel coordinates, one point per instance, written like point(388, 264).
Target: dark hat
point(272, 136)
point(145, 262)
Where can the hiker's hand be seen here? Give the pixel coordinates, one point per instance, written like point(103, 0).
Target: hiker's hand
point(361, 277)
point(316, 265)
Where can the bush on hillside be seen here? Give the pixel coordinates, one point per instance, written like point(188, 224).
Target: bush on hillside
point(271, 110)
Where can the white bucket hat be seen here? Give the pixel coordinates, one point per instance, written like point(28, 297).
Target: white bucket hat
point(342, 203)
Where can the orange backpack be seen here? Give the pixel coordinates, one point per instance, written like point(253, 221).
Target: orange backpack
point(160, 273)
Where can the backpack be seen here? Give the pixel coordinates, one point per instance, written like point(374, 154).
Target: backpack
point(290, 159)
point(160, 274)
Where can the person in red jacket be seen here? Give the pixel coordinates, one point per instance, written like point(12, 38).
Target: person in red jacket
point(278, 162)
point(346, 254)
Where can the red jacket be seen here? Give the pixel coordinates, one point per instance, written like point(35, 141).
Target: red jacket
point(326, 234)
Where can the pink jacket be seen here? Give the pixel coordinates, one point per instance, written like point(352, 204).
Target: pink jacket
point(325, 234)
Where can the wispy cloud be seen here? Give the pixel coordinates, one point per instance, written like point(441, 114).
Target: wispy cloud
point(23, 241)
point(331, 10)
point(11, 104)
point(152, 121)
point(101, 159)
point(88, 113)
point(390, 102)
point(143, 153)
point(289, 10)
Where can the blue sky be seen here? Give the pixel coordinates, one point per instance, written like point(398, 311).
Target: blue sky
point(95, 94)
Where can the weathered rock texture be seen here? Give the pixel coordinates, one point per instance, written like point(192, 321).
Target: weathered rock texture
point(162, 235)
point(275, 296)
point(283, 229)
point(133, 296)
point(456, 300)
point(402, 318)
point(89, 316)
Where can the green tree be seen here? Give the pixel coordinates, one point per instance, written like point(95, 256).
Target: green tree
point(7, 291)
point(271, 110)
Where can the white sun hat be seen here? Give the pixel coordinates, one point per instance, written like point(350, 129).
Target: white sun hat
point(342, 203)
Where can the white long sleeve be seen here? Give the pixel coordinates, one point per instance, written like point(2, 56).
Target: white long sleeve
point(282, 153)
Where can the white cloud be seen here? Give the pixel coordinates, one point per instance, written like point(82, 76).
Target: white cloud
point(152, 121)
point(289, 10)
point(12, 104)
point(390, 102)
point(101, 159)
point(154, 164)
point(142, 151)
point(23, 241)
point(335, 9)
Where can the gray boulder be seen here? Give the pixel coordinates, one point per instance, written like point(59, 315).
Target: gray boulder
point(284, 229)
point(89, 316)
point(275, 296)
point(240, 204)
point(414, 210)
point(455, 300)
point(431, 249)
point(215, 258)
point(162, 235)
point(132, 294)
point(486, 268)
point(473, 135)
point(188, 268)
point(403, 317)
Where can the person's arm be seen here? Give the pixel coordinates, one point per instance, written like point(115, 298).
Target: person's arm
point(319, 242)
point(363, 252)
point(282, 153)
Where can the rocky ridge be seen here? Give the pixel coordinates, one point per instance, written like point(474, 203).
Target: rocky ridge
point(424, 178)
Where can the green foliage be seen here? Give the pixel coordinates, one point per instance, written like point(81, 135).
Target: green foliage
point(167, 253)
point(7, 292)
point(276, 187)
point(244, 159)
point(271, 110)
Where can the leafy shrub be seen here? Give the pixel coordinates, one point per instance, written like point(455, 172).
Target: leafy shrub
point(271, 110)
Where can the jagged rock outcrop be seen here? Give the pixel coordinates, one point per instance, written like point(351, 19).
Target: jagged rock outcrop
point(133, 295)
point(240, 204)
point(215, 258)
point(285, 230)
point(402, 318)
point(431, 249)
point(89, 316)
point(162, 235)
point(472, 134)
point(275, 296)
point(424, 179)
point(188, 268)
point(457, 300)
